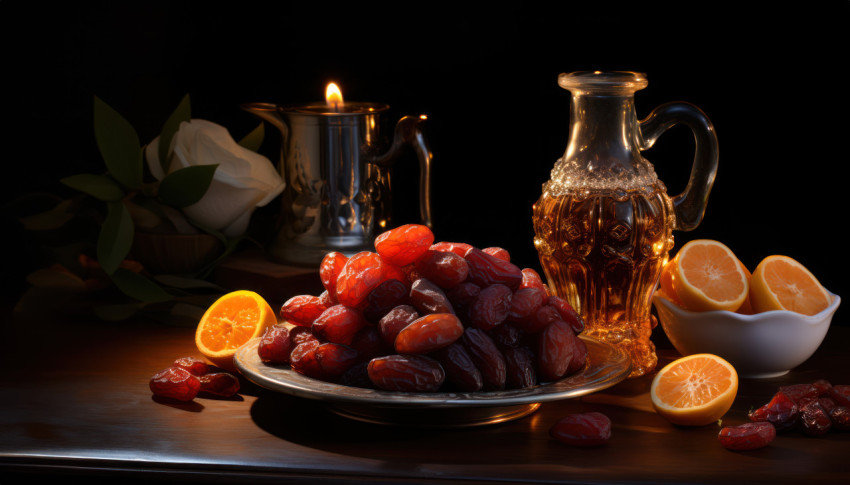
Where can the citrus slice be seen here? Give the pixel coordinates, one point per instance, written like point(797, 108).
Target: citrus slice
point(230, 323)
point(746, 308)
point(667, 283)
point(781, 283)
point(709, 277)
point(695, 390)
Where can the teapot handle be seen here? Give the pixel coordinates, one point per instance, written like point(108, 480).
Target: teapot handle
point(408, 130)
point(689, 206)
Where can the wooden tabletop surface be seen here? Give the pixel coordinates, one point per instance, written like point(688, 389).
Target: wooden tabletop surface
point(74, 401)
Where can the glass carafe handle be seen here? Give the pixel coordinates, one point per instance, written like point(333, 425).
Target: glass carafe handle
point(689, 206)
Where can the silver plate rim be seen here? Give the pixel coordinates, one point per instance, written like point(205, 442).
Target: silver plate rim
point(607, 365)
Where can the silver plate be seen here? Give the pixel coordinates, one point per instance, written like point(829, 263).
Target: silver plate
point(606, 366)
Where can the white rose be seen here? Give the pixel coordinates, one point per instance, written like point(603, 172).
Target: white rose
point(243, 181)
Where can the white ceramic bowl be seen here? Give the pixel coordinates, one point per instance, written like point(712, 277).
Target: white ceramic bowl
point(766, 344)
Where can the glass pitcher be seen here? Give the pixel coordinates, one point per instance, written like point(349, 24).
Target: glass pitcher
point(603, 225)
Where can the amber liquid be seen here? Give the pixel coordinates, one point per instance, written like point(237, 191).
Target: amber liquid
point(603, 251)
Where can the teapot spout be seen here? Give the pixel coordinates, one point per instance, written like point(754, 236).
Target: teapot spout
point(267, 112)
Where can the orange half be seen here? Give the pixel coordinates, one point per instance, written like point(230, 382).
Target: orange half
point(695, 390)
point(782, 283)
point(709, 277)
point(230, 323)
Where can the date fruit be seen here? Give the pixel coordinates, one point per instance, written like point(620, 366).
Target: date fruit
point(406, 373)
point(479, 321)
point(582, 429)
point(747, 436)
point(405, 244)
point(429, 333)
point(219, 384)
point(175, 383)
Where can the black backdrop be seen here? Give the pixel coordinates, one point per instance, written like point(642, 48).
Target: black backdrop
point(770, 79)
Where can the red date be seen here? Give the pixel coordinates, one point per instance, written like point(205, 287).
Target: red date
point(519, 368)
point(329, 270)
point(194, 365)
point(567, 313)
point(429, 333)
point(338, 324)
point(429, 298)
point(747, 436)
point(405, 244)
point(393, 322)
point(384, 298)
point(406, 373)
point(302, 309)
point(452, 247)
point(486, 357)
point(275, 345)
point(219, 384)
point(361, 274)
point(556, 346)
point(486, 270)
point(445, 269)
point(497, 252)
point(584, 429)
point(525, 303)
point(460, 371)
point(334, 359)
point(532, 279)
point(491, 307)
point(175, 383)
point(815, 419)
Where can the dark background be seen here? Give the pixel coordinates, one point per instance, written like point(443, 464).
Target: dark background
point(772, 81)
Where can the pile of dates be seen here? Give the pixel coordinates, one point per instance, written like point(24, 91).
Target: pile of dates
point(415, 316)
point(814, 408)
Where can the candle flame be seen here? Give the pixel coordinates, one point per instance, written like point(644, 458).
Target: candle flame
point(333, 96)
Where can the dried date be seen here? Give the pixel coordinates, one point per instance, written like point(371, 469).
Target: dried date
point(429, 298)
point(460, 370)
point(361, 274)
point(302, 309)
point(393, 322)
point(487, 358)
point(194, 365)
point(404, 244)
point(338, 324)
point(445, 269)
point(429, 333)
point(406, 373)
point(556, 346)
point(486, 270)
point(219, 384)
point(583, 429)
point(491, 308)
point(175, 383)
point(747, 436)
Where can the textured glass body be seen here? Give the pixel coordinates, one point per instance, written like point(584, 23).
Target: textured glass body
point(604, 223)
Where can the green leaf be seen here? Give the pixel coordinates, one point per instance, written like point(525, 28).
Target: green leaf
point(116, 237)
point(182, 113)
point(119, 145)
point(186, 186)
point(98, 186)
point(139, 287)
point(54, 218)
point(115, 313)
point(253, 140)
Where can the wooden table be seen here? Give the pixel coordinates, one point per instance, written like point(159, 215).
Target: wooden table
point(74, 401)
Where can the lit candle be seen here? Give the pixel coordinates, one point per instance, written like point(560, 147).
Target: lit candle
point(333, 96)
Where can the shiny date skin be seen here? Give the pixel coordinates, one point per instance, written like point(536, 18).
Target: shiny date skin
point(406, 373)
